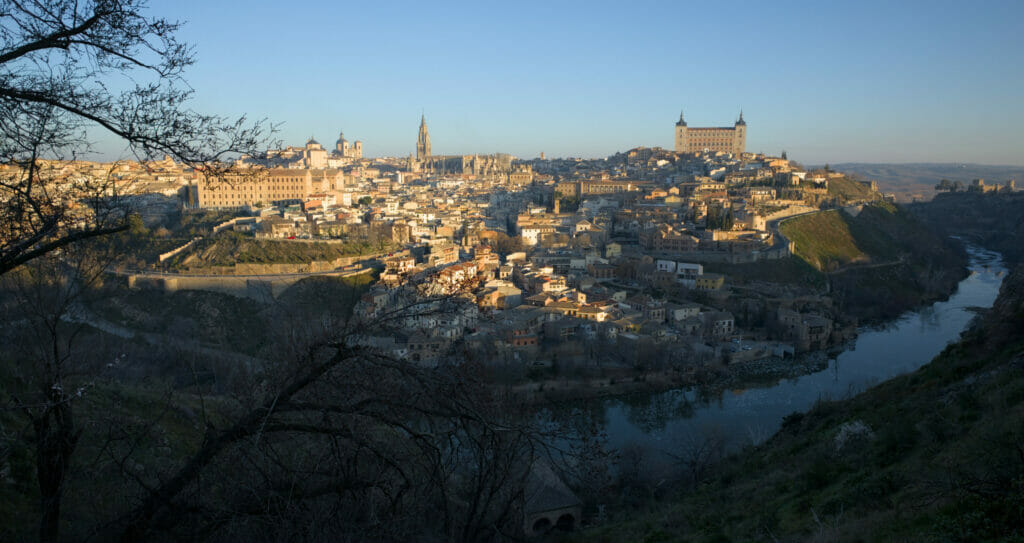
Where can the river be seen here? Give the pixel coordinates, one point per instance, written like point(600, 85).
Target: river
point(665, 422)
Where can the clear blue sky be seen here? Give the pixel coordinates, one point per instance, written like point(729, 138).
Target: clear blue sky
point(855, 81)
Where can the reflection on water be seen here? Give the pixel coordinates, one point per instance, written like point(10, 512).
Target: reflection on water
point(929, 317)
point(655, 421)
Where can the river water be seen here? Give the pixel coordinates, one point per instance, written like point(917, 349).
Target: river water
point(665, 422)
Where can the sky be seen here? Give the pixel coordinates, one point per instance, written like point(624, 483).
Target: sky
point(826, 81)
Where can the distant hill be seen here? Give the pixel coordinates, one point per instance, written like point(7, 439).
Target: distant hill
point(917, 181)
point(995, 221)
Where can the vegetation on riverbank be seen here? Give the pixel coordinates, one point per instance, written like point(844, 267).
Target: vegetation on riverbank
point(791, 270)
point(709, 380)
point(934, 455)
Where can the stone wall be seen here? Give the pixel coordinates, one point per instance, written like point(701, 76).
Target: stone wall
point(173, 252)
point(315, 266)
point(264, 288)
point(790, 211)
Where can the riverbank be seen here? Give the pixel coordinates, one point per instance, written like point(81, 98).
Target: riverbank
point(710, 378)
point(930, 455)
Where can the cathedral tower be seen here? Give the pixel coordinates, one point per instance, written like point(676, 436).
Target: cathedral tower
point(423, 142)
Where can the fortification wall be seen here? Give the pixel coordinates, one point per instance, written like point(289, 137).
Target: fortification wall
point(263, 289)
point(173, 252)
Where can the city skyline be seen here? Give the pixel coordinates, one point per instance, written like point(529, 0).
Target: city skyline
point(907, 83)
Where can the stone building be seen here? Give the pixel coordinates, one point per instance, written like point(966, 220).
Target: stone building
point(548, 504)
point(262, 186)
point(580, 189)
point(315, 155)
point(713, 139)
point(310, 156)
point(344, 149)
point(495, 165)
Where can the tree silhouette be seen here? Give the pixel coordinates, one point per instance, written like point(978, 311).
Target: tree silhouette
point(60, 61)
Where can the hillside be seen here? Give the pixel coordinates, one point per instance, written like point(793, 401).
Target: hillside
point(881, 261)
point(824, 240)
point(937, 455)
point(850, 190)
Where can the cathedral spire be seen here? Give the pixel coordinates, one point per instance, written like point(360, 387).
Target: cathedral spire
point(423, 141)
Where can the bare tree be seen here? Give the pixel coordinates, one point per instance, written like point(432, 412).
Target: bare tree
point(59, 63)
point(340, 439)
point(698, 452)
point(344, 441)
point(50, 368)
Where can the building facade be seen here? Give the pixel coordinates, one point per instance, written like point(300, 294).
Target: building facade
point(711, 139)
point(263, 186)
point(313, 155)
point(344, 149)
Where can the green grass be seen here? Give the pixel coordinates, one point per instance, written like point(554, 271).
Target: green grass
point(232, 248)
point(881, 262)
point(849, 190)
point(201, 223)
point(880, 233)
point(824, 240)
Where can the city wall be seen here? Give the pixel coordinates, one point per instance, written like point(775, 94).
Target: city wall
point(185, 247)
point(790, 211)
point(264, 289)
point(731, 257)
